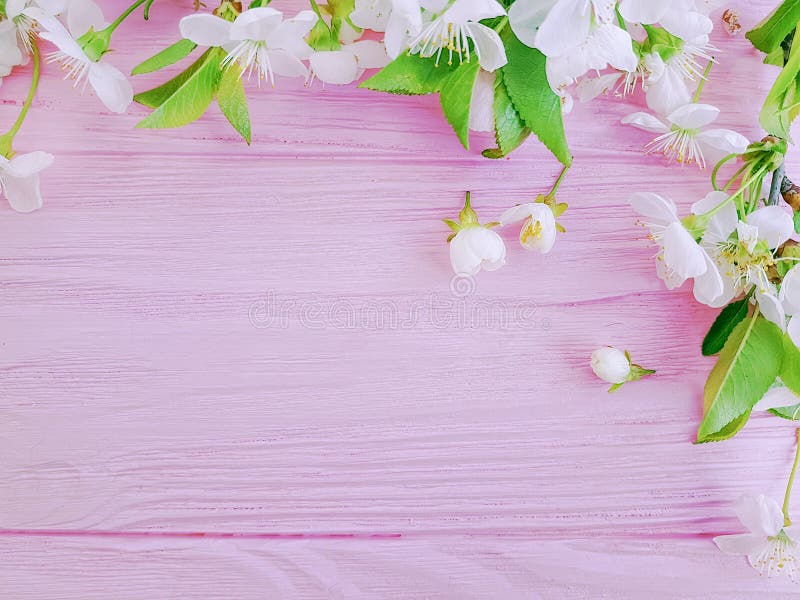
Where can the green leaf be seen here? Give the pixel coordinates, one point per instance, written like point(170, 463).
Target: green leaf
point(661, 41)
point(191, 98)
point(509, 128)
point(781, 104)
point(797, 221)
point(747, 366)
point(729, 430)
point(539, 107)
point(790, 368)
point(158, 95)
point(233, 101)
point(776, 57)
point(722, 326)
point(168, 56)
point(770, 32)
point(411, 75)
point(456, 97)
point(791, 413)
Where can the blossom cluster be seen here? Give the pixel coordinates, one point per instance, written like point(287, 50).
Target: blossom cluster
point(502, 67)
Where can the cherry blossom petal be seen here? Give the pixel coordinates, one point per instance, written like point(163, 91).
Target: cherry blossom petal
point(775, 225)
point(667, 91)
point(656, 209)
point(526, 16)
point(30, 163)
point(590, 88)
point(771, 308)
point(205, 29)
point(709, 287)
point(645, 121)
point(336, 66)
point(290, 34)
point(481, 108)
point(404, 23)
point(682, 254)
point(643, 11)
point(83, 15)
point(724, 221)
point(371, 14)
point(566, 26)
point(488, 46)
point(56, 33)
point(475, 248)
point(693, 116)
point(793, 329)
point(370, 54)
point(790, 291)
point(463, 11)
point(540, 233)
point(256, 23)
point(687, 25)
point(741, 543)
point(22, 192)
point(111, 86)
point(718, 143)
point(760, 514)
point(286, 64)
point(515, 214)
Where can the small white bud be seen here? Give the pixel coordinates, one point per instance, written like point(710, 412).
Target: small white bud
point(611, 365)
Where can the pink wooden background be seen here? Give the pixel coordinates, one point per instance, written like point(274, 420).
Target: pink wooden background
point(160, 439)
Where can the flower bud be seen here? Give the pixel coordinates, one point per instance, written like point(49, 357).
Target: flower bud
point(611, 365)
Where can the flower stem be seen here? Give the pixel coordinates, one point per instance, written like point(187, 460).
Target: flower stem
point(703, 79)
point(775, 185)
point(501, 24)
point(558, 181)
point(786, 520)
point(7, 138)
point(736, 194)
point(125, 14)
point(717, 167)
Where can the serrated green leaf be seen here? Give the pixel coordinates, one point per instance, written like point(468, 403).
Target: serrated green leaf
point(723, 325)
point(770, 32)
point(747, 366)
point(781, 104)
point(191, 98)
point(728, 431)
point(233, 101)
point(456, 97)
point(168, 56)
point(539, 107)
point(509, 128)
point(158, 95)
point(411, 75)
point(790, 368)
point(792, 413)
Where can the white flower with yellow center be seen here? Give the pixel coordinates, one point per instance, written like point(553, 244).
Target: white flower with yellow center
point(682, 137)
point(680, 257)
point(81, 60)
point(453, 31)
point(770, 546)
point(260, 41)
point(539, 228)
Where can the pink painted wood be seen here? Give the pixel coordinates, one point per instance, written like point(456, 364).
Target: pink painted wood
point(241, 372)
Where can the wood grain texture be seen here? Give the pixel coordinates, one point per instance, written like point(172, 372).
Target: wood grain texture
point(202, 340)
